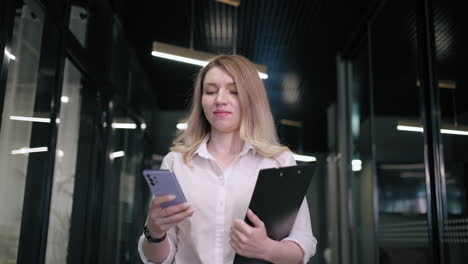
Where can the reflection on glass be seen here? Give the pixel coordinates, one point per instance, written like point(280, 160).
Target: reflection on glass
point(65, 167)
point(127, 165)
point(78, 23)
point(15, 135)
point(450, 23)
point(361, 164)
point(402, 231)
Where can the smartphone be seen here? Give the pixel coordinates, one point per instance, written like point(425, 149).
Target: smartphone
point(162, 182)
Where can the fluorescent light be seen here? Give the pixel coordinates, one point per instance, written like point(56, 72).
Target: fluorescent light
point(195, 57)
point(179, 58)
point(292, 123)
point(454, 132)
point(263, 75)
point(65, 99)
point(235, 3)
point(124, 125)
point(181, 126)
point(117, 154)
point(9, 55)
point(304, 158)
point(28, 150)
point(443, 131)
point(410, 128)
point(356, 165)
point(30, 119)
point(143, 126)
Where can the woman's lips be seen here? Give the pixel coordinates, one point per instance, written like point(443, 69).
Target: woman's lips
point(222, 113)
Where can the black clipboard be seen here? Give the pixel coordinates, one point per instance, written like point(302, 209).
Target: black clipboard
point(276, 200)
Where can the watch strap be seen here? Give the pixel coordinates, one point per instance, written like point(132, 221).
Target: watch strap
point(152, 239)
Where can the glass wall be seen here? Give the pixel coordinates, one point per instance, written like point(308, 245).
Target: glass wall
point(65, 166)
point(411, 197)
point(124, 190)
point(25, 112)
point(362, 182)
point(450, 23)
point(130, 142)
point(402, 231)
point(71, 189)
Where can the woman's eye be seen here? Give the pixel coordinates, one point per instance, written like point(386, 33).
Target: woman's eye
point(234, 92)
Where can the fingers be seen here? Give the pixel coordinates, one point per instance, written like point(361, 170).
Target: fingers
point(241, 227)
point(254, 219)
point(157, 201)
point(238, 236)
point(174, 209)
point(162, 219)
point(176, 218)
point(235, 245)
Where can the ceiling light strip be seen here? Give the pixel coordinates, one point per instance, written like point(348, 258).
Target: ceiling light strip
point(443, 131)
point(185, 55)
point(30, 119)
point(179, 58)
point(10, 55)
point(304, 158)
point(124, 125)
point(28, 150)
point(116, 154)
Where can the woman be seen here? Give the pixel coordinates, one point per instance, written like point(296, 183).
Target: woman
point(230, 137)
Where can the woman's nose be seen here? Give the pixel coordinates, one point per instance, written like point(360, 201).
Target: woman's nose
point(221, 97)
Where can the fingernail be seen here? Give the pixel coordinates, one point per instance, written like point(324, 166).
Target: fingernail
point(172, 197)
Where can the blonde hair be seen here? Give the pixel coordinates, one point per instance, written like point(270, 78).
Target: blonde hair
point(257, 125)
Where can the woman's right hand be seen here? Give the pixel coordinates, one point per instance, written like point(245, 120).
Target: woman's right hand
point(160, 220)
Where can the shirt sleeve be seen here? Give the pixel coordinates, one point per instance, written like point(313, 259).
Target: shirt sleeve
point(172, 239)
point(301, 232)
point(171, 234)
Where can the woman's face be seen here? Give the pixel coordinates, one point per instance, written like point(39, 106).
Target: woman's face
point(220, 101)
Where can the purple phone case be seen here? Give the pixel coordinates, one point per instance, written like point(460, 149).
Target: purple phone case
point(162, 182)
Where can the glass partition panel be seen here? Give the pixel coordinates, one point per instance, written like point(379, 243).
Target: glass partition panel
point(78, 23)
point(362, 160)
point(26, 110)
point(65, 166)
point(450, 24)
point(129, 228)
point(402, 231)
point(123, 203)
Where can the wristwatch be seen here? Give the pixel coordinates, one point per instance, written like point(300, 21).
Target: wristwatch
point(152, 239)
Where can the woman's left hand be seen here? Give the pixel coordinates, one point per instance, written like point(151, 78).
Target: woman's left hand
point(248, 241)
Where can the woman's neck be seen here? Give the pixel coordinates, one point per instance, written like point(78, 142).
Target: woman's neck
point(224, 143)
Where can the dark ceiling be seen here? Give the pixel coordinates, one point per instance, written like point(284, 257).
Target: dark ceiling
point(297, 40)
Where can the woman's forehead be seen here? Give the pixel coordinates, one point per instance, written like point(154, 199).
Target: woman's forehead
point(217, 75)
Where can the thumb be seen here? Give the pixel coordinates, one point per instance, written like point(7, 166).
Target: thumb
point(254, 218)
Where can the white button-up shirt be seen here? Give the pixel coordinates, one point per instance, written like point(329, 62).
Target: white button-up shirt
point(218, 198)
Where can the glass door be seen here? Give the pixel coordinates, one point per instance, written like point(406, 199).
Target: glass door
point(68, 123)
point(450, 23)
point(402, 197)
point(25, 123)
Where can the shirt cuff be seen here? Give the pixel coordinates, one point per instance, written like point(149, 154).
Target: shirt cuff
point(145, 260)
point(307, 244)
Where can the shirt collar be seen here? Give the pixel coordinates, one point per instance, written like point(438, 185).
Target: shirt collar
point(202, 150)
